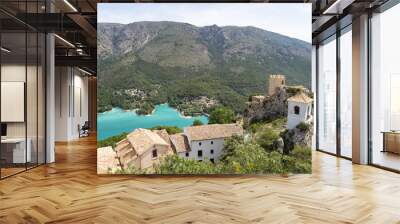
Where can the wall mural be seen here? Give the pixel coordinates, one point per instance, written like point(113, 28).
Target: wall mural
point(204, 89)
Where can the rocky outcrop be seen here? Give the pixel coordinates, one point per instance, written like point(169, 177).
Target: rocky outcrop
point(271, 107)
point(298, 136)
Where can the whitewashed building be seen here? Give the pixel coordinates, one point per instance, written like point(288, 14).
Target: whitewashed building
point(204, 142)
point(300, 107)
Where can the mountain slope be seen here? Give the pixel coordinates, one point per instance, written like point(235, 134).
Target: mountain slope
point(176, 62)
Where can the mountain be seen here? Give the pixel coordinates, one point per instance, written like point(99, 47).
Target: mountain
point(175, 62)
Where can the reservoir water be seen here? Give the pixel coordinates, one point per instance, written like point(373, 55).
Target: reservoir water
point(117, 121)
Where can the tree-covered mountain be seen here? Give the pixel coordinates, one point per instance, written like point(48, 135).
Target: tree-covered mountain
point(145, 63)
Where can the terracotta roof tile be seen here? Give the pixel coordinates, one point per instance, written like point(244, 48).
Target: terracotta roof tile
point(180, 142)
point(301, 97)
point(212, 131)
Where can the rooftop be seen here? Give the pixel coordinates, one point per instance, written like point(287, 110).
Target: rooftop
point(180, 142)
point(301, 98)
point(213, 131)
point(142, 139)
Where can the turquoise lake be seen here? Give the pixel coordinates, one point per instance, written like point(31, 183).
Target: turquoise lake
point(117, 121)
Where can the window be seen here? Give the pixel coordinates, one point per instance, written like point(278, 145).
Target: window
point(212, 142)
point(154, 153)
point(212, 151)
point(199, 143)
point(327, 96)
point(212, 160)
point(22, 64)
point(283, 82)
point(200, 153)
point(385, 88)
point(187, 154)
point(346, 94)
point(296, 110)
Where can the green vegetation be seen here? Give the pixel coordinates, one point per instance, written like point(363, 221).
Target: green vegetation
point(267, 139)
point(258, 154)
point(197, 122)
point(241, 157)
point(221, 115)
point(170, 129)
point(130, 170)
point(145, 108)
point(174, 164)
point(302, 126)
point(111, 141)
point(178, 62)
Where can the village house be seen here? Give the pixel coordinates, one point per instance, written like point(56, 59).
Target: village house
point(144, 148)
point(204, 141)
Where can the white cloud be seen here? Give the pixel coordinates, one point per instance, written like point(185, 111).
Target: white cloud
point(290, 19)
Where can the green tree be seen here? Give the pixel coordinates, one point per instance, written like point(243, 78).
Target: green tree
point(230, 145)
point(250, 158)
point(221, 115)
point(197, 122)
point(267, 139)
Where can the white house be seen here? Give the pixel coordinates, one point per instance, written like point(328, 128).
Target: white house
point(205, 141)
point(299, 109)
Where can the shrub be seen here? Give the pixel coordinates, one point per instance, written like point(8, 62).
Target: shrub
point(302, 126)
point(173, 164)
point(197, 122)
point(267, 138)
point(111, 141)
point(170, 129)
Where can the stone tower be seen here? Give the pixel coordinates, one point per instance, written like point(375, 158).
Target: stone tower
point(275, 83)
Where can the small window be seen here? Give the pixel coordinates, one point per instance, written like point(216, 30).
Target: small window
point(212, 142)
point(283, 82)
point(200, 160)
point(200, 153)
point(212, 160)
point(212, 151)
point(296, 110)
point(199, 143)
point(154, 153)
point(187, 154)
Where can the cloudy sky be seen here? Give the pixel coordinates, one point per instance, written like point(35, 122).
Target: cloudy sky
point(292, 20)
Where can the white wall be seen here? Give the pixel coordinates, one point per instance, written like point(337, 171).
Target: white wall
point(295, 119)
point(206, 146)
point(71, 87)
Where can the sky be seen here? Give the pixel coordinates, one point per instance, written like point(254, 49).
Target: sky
point(293, 20)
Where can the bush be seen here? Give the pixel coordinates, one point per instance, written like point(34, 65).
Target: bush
point(111, 141)
point(302, 126)
point(299, 160)
point(267, 138)
point(250, 158)
point(173, 164)
point(197, 122)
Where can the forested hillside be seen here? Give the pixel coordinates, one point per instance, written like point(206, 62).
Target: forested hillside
point(145, 63)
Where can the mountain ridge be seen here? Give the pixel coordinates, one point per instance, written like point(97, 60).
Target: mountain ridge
point(171, 61)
